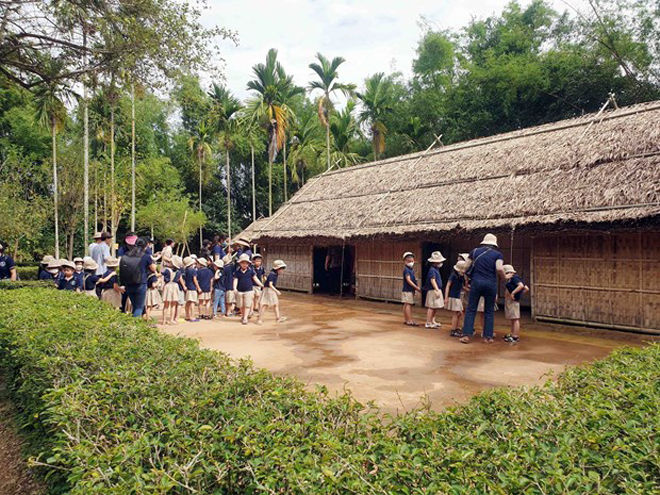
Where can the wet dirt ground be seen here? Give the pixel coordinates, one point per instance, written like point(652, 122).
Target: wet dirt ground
point(364, 347)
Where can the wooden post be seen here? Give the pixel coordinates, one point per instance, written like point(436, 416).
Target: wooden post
point(532, 301)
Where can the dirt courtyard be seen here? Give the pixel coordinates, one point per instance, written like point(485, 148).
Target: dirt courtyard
point(364, 347)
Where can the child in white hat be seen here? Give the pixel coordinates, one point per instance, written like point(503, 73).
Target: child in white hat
point(453, 293)
point(228, 272)
point(244, 281)
point(257, 266)
point(204, 278)
point(191, 288)
point(409, 288)
point(219, 288)
point(433, 288)
point(171, 275)
point(90, 278)
point(515, 288)
point(111, 292)
point(68, 281)
point(271, 296)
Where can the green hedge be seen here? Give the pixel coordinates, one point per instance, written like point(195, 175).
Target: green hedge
point(27, 272)
point(112, 406)
point(26, 284)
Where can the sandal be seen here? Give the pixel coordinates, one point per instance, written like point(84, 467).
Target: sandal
point(281, 319)
point(465, 339)
point(411, 323)
point(456, 332)
point(488, 340)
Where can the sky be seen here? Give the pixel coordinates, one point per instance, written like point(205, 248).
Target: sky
point(372, 35)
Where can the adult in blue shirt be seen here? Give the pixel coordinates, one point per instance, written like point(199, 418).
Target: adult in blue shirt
point(483, 266)
point(7, 265)
point(101, 251)
point(137, 292)
point(242, 247)
point(217, 251)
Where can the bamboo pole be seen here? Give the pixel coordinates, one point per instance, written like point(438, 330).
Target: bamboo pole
point(55, 189)
point(228, 198)
point(133, 157)
point(85, 151)
point(284, 162)
point(254, 188)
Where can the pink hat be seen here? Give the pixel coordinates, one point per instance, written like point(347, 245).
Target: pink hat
point(131, 240)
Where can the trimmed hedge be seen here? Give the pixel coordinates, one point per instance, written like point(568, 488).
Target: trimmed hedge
point(27, 272)
point(113, 406)
point(26, 284)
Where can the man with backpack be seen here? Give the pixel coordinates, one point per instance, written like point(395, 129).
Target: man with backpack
point(134, 269)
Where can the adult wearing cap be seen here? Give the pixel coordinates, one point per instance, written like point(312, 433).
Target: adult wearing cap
point(101, 251)
point(7, 265)
point(242, 247)
point(96, 239)
point(483, 266)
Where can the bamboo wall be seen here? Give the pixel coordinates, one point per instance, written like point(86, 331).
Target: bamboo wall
point(298, 259)
point(609, 279)
point(379, 269)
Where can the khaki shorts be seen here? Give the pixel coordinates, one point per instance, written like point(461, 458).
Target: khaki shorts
point(205, 296)
point(434, 300)
point(245, 299)
point(191, 296)
point(231, 297)
point(408, 297)
point(511, 309)
point(454, 304)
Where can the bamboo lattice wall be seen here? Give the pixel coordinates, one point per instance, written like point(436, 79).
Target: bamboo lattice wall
point(379, 269)
point(298, 259)
point(610, 280)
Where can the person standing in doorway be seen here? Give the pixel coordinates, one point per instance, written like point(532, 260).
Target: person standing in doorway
point(484, 264)
point(333, 269)
point(409, 288)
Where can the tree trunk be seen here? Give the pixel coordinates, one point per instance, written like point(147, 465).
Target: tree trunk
point(96, 198)
point(286, 194)
point(133, 158)
point(270, 186)
point(200, 199)
point(72, 237)
point(228, 197)
point(105, 201)
point(254, 188)
point(113, 226)
point(86, 153)
point(55, 191)
point(327, 143)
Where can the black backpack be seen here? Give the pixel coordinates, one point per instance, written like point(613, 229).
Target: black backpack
point(130, 272)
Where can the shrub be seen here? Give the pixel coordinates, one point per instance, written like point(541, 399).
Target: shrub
point(113, 406)
point(27, 272)
point(29, 284)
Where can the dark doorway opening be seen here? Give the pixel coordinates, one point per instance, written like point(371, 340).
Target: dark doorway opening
point(334, 270)
point(445, 270)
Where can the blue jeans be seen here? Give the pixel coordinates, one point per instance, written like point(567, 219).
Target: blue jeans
point(479, 289)
point(219, 299)
point(138, 295)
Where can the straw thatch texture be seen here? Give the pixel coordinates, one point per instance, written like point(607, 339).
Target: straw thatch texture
point(583, 170)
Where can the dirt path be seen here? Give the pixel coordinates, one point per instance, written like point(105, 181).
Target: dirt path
point(15, 477)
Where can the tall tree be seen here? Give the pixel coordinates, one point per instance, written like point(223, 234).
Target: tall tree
point(269, 106)
point(344, 129)
point(200, 145)
point(376, 104)
point(327, 72)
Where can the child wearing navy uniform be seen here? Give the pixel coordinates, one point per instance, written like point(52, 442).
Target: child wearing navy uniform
point(271, 296)
point(191, 287)
point(230, 295)
point(257, 266)
point(453, 297)
point(69, 281)
point(515, 288)
point(433, 288)
point(111, 292)
point(90, 278)
point(204, 277)
point(409, 288)
point(171, 275)
point(219, 288)
point(244, 281)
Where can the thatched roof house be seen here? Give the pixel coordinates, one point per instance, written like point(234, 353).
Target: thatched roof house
point(590, 172)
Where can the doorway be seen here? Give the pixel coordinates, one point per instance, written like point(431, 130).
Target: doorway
point(334, 270)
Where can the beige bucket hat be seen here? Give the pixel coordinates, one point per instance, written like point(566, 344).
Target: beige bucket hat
point(508, 269)
point(490, 240)
point(111, 262)
point(227, 259)
point(244, 257)
point(78, 259)
point(177, 262)
point(54, 263)
point(188, 261)
point(242, 242)
point(460, 266)
point(219, 263)
point(436, 257)
point(90, 265)
point(202, 261)
point(67, 263)
point(47, 259)
point(406, 254)
point(463, 256)
point(257, 255)
point(277, 264)
point(97, 235)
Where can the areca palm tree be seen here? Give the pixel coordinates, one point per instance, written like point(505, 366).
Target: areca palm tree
point(327, 83)
point(376, 104)
point(306, 147)
point(200, 145)
point(225, 110)
point(344, 129)
point(51, 112)
point(253, 133)
point(274, 89)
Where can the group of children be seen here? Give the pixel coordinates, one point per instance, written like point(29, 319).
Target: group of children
point(456, 294)
point(206, 286)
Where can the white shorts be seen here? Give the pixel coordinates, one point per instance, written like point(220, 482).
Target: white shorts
point(434, 300)
point(408, 297)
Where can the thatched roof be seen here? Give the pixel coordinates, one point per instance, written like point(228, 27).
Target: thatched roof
point(588, 169)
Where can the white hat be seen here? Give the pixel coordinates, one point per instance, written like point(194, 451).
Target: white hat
point(242, 242)
point(219, 263)
point(508, 269)
point(460, 266)
point(68, 263)
point(408, 253)
point(90, 265)
point(176, 261)
point(54, 263)
point(187, 261)
point(277, 264)
point(463, 256)
point(47, 259)
point(244, 257)
point(257, 255)
point(78, 260)
point(490, 240)
point(227, 259)
point(192, 256)
point(111, 262)
point(436, 257)
point(98, 235)
point(202, 261)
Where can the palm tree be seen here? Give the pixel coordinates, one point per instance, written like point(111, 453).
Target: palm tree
point(306, 146)
point(376, 104)
point(344, 129)
point(274, 88)
point(414, 132)
point(254, 135)
point(200, 145)
point(51, 112)
point(327, 72)
point(224, 113)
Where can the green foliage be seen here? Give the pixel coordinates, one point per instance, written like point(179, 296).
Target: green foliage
point(25, 284)
point(114, 406)
point(27, 272)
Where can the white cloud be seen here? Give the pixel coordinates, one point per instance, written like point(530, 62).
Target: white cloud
point(373, 35)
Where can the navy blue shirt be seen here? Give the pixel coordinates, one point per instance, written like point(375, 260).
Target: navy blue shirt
point(110, 283)
point(145, 263)
point(219, 280)
point(89, 280)
point(204, 277)
point(71, 284)
point(457, 281)
point(228, 270)
point(484, 260)
point(434, 273)
point(188, 276)
point(512, 284)
point(81, 279)
point(152, 280)
point(406, 286)
point(122, 251)
point(6, 264)
point(218, 251)
point(261, 272)
point(247, 251)
point(272, 277)
point(245, 282)
point(45, 275)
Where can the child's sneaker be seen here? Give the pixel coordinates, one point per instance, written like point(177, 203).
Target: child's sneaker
point(431, 326)
point(511, 339)
point(456, 332)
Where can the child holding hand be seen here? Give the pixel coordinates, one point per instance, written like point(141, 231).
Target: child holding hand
point(270, 295)
point(409, 288)
point(515, 288)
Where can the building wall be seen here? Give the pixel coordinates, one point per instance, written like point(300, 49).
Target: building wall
point(298, 259)
point(608, 279)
